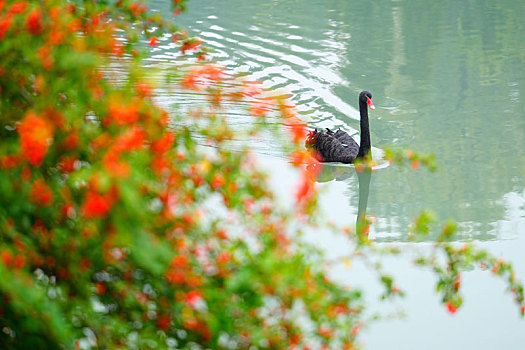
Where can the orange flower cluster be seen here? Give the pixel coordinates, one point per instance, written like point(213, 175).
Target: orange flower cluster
point(154, 41)
point(41, 194)
point(451, 307)
point(297, 129)
point(9, 260)
point(310, 168)
point(260, 107)
point(191, 44)
point(96, 205)
point(180, 272)
point(251, 89)
point(193, 298)
point(34, 22)
point(163, 144)
point(217, 181)
point(200, 77)
point(143, 89)
point(9, 161)
point(36, 135)
point(137, 8)
point(123, 113)
point(130, 140)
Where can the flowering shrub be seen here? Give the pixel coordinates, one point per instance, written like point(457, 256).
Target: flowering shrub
point(108, 237)
point(119, 231)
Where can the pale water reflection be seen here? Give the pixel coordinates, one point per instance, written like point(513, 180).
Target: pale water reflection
point(447, 77)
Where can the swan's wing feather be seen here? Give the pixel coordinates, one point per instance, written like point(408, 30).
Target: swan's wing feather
point(332, 150)
point(344, 137)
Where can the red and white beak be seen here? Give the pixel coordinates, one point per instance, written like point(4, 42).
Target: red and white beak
point(370, 104)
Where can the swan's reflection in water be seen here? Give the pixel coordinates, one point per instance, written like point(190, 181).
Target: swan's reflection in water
point(327, 173)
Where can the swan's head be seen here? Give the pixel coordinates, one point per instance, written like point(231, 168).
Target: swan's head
point(366, 97)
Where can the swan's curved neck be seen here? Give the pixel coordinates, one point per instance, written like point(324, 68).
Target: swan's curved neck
point(364, 147)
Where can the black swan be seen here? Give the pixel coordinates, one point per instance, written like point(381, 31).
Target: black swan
point(338, 146)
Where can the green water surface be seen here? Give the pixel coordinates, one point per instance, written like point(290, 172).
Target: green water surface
point(447, 77)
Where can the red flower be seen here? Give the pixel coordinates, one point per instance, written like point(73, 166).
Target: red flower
point(20, 261)
point(154, 41)
point(359, 167)
point(143, 89)
point(41, 194)
point(25, 174)
point(18, 7)
point(123, 113)
point(68, 210)
point(365, 230)
point(457, 283)
point(221, 234)
point(217, 181)
point(96, 206)
point(163, 322)
point(223, 258)
point(101, 141)
point(55, 12)
point(297, 129)
point(34, 22)
point(117, 48)
point(261, 107)
point(137, 8)
point(71, 141)
point(325, 332)
point(114, 165)
point(192, 80)
point(193, 298)
point(130, 140)
point(251, 89)
point(44, 54)
point(451, 307)
point(100, 288)
point(303, 157)
point(36, 134)
point(163, 144)
point(190, 45)
point(201, 77)
point(306, 189)
point(56, 37)
point(5, 23)
point(179, 261)
point(67, 164)
point(201, 57)
point(175, 276)
point(9, 161)
point(160, 164)
point(340, 308)
point(7, 257)
point(212, 72)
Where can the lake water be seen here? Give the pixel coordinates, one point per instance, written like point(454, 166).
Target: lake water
point(447, 77)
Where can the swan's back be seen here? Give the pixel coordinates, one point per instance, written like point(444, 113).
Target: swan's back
point(333, 146)
point(345, 139)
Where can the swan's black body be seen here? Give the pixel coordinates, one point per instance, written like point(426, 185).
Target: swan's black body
point(338, 146)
